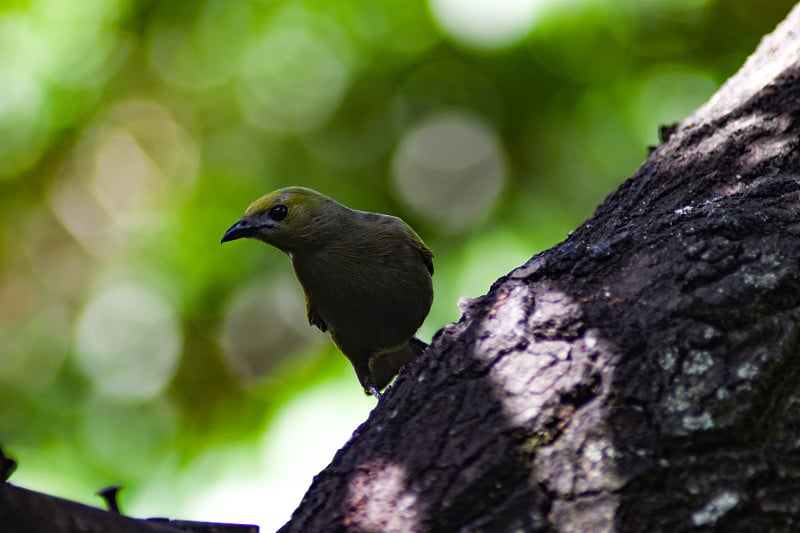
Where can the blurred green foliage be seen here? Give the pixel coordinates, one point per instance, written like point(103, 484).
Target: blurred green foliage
point(135, 350)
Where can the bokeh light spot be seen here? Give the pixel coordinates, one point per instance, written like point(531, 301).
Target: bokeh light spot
point(145, 135)
point(450, 169)
point(49, 49)
point(22, 124)
point(296, 74)
point(482, 24)
point(133, 165)
point(129, 341)
point(80, 213)
point(123, 173)
point(77, 40)
point(207, 53)
point(264, 322)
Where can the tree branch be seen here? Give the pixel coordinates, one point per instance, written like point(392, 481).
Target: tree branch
point(27, 511)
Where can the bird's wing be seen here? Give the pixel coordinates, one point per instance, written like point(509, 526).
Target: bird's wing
point(427, 255)
point(397, 225)
point(424, 252)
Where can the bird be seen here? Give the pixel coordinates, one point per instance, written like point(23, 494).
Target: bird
point(367, 277)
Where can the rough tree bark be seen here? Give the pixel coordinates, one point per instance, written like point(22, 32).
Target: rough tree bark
point(643, 375)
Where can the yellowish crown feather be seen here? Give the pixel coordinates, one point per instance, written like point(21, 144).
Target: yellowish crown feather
point(289, 196)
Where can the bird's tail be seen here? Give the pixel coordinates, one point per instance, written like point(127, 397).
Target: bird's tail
point(385, 366)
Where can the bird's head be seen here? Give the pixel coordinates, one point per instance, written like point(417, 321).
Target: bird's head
point(291, 219)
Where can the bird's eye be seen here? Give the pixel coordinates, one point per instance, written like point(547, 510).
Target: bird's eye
point(278, 212)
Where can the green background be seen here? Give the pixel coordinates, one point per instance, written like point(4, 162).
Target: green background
point(136, 350)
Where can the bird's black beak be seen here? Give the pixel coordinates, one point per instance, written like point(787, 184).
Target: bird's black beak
point(242, 228)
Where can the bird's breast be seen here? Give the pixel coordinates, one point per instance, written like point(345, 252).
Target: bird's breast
point(368, 303)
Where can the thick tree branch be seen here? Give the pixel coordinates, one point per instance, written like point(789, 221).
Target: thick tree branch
point(644, 374)
point(27, 511)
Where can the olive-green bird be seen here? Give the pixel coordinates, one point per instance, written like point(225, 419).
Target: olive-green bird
point(366, 276)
